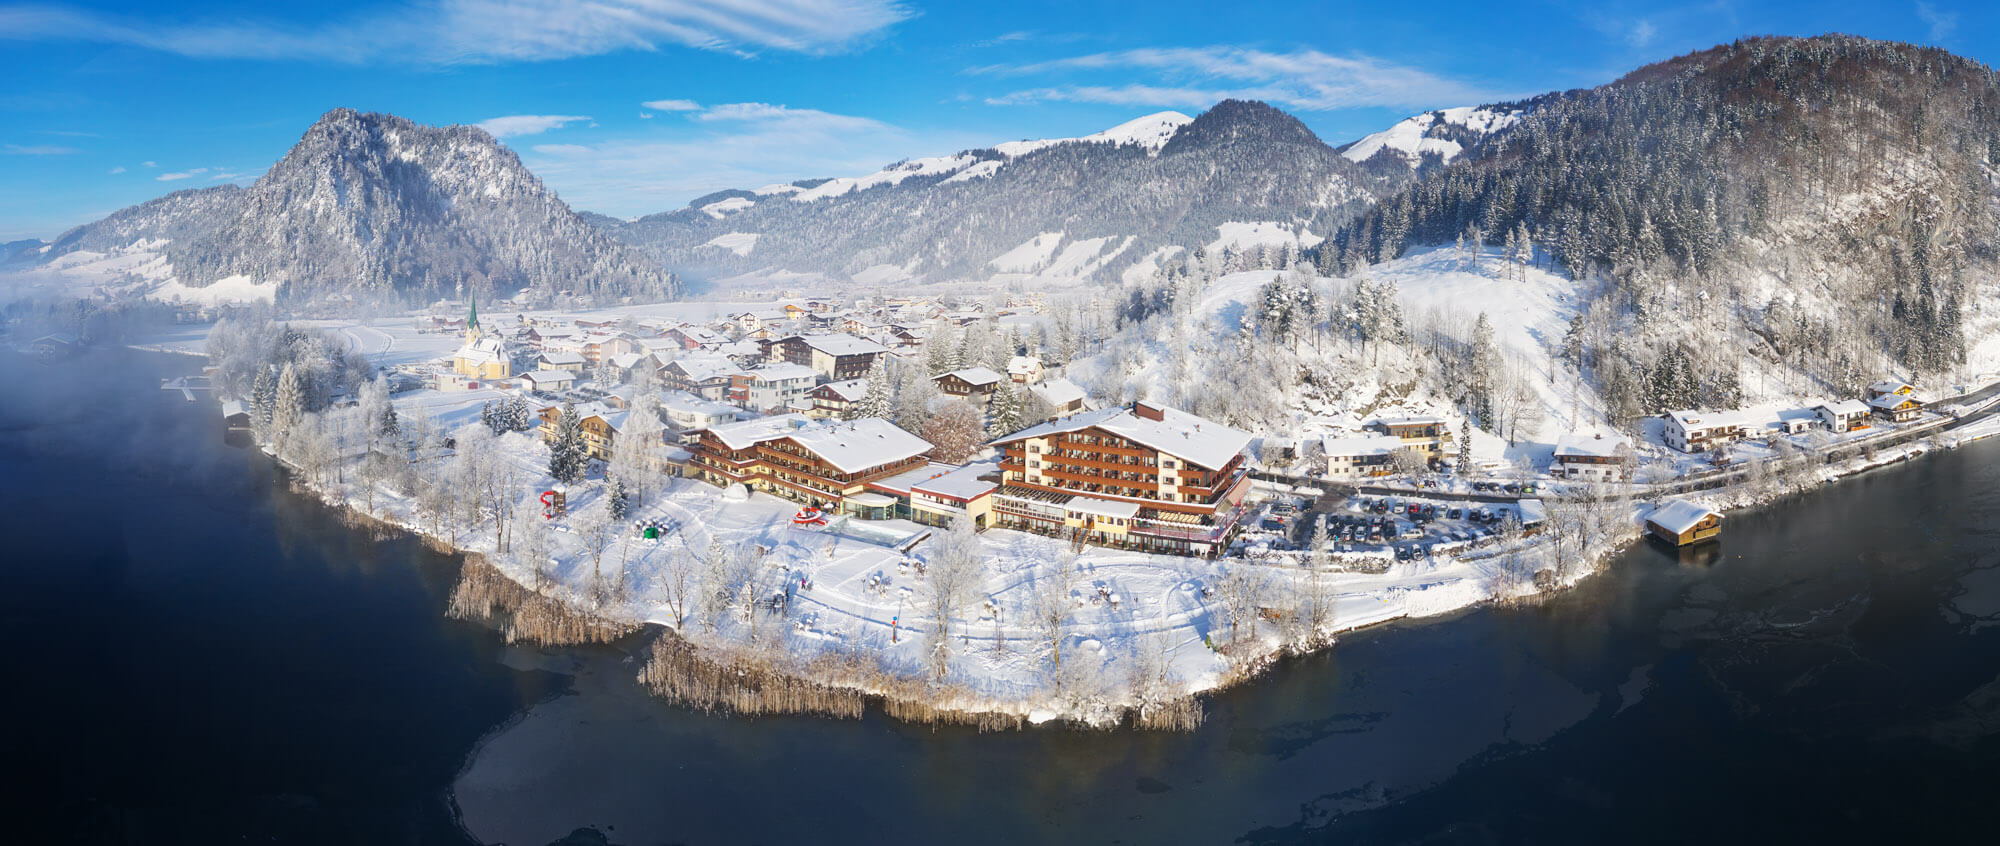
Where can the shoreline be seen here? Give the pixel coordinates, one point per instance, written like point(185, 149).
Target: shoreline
point(753, 680)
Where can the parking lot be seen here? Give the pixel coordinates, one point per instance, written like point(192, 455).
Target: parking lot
point(1408, 528)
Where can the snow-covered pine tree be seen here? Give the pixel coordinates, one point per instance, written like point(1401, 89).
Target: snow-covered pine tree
point(519, 418)
point(490, 419)
point(617, 498)
point(879, 400)
point(1003, 414)
point(290, 404)
point(264, 395)
point(569, 457)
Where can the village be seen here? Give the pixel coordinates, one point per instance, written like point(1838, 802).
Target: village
point(804, 473)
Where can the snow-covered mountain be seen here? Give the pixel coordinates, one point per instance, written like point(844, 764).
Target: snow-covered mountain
point(1092, 207)
point(372, 207)
point(1434, 138)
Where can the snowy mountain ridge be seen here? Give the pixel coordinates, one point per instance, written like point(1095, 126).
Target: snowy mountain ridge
point(1099, 207)
point(1443, 134)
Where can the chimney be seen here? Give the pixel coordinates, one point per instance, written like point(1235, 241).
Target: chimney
point(1147, 411)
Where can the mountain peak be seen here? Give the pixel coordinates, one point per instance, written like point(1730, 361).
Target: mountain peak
point(1239, 121)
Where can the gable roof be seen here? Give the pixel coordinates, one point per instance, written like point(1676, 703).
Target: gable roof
point(1204, 442)
point(974, 376)
point(850, 390)
point(1680, 515)
point(839, 344)
point(1587, 446)
point(850, 446)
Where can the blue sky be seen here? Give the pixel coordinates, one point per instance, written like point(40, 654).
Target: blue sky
point(637, 106)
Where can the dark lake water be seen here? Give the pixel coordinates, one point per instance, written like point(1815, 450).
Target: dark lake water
point(197, 655)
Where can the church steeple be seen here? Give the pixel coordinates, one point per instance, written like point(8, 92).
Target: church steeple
point(472, 332)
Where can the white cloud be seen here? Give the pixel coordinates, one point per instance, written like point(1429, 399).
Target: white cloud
point(1198, 76)
point(1942, 24)
point(513, 125)
point(483, 31)
point(788, 118)
point(36, 150)
point(672, 105)
point(1642, 33)
point(148, 164)
point(117, 170)
point(171, 177)
point(223, 175)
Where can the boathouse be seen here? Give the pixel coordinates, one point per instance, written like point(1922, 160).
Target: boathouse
point(1680, 522)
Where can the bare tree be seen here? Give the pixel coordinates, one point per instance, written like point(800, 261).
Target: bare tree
point(1053, 606)
point(596, 528)
point(531, 545)
point(953, 572)
point(1242, 588)
point(679, 582)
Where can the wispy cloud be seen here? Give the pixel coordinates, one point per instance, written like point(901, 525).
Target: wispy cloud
point(185, 174)
point(149, 164)
point(733, 145)
point(483, 31)
point(1198, 76)
point(36, 150)
point(1942, 24)
point(671, 105)
point(514, 125)
point(117, 170)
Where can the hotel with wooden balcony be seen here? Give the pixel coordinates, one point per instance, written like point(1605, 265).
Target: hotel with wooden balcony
point(810, 461)
point(1141, 477)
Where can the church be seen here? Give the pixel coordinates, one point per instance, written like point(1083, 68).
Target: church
point(484, 357)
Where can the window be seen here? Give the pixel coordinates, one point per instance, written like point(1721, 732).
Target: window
point(1167, 463)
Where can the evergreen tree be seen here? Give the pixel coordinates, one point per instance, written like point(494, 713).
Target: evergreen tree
point(1003, 414)
point(491, 419)
point(617, 498)
point(1465, 446)
point(264, 396)
point(290, 404)
point(569, 456)
point(879, 400)
point(519, 417)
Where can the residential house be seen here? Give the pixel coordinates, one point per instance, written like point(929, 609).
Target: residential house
point(1896, 407)
point(1701, 431)
point(687, 411)
point(1063, 396)
point(1844, 416)
point(706, 377)
point(1360, 457)
point(772, 387)
point(1141, 476)
point(833, 399)
point(1593, 458)
point(550, 381)
point(1024, 369)
point(833, 357)
point(600, 424)
point(975, 384)
point(1425, 434)
point(1888, 386)
point(570, 361)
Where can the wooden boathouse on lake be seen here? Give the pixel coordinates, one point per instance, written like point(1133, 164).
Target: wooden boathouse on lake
point(1680, 522)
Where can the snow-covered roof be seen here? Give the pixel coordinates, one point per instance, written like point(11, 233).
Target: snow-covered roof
point(482, 350)
point(902, 482)
point(1692, 420)
point(562, 358)
point(231, 408)
point(1591, 446)
point(1023, 364)
point(626, 361)
point(841, 344)
point(704, 369)
point(549, 376)
point(1204, 442)
point(1532, 511)
point(850, 446)
point(783, 372)
point(962, 483)
point(1361, 445)
point(689, 404)
point(1102, 507)
point(976, 376)
point(850, 390)
point(1058, 392)
point(1844, 408)
point(1889, 402)
point(1680, 515)
point(1413, 420)
point(1891, 386)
